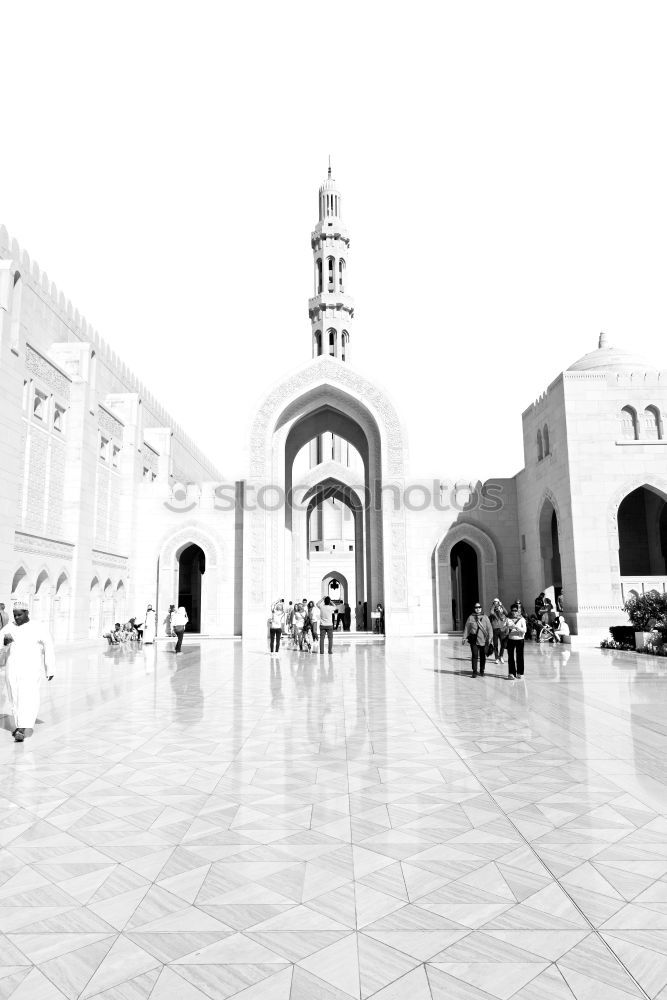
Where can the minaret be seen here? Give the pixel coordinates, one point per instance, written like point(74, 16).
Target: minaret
point(331, 309)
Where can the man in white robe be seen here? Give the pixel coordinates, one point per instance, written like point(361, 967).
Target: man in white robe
point(149, 625)
point(29, 654)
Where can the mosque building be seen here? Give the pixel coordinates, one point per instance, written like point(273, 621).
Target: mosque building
point(106, 505)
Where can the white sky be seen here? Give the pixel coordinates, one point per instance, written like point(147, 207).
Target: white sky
point(504, 177)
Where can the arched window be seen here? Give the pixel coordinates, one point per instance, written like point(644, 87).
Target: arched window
point(332, 342)
point(545, 440)
point(540, 450)
point(41, 605)
point(94, 624)
point(20, 585)
point(629, 424)
point(119, 602)
point(330, 274)
point(319, 275)
point(341, 274)
point(652, 423)
point(107, 606)
point(318, 343)
point(343, 342)
point(61, 608)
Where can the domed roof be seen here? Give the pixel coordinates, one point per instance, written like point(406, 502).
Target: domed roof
point(610, 359)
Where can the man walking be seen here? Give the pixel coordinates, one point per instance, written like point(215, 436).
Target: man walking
point(29, 653)
point(326, 623)
point(179, 620)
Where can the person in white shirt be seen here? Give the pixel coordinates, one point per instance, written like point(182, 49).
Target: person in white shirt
point(179, 620)
point(327, 610)
point(298, 621)
point(28, 651)
point(515, 641)
point(149, 625)
point(561, 628)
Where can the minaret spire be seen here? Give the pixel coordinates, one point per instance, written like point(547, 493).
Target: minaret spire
point(331, 309)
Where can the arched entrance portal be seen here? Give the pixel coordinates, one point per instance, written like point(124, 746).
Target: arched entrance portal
point(191, 568)
point(357, 550)
point(325, 401)
point(642, 534)
point(465, 582)
point(335, 586)
point(465, 570)
point(552, 574)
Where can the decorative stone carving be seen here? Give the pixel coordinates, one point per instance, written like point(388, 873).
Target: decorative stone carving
point(149, 458)
point(109, 424)
point(109, 560)
point(37, 545)
point(337, 374)
point(45, 371)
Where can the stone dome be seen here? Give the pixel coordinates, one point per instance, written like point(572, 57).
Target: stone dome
point(610, 359)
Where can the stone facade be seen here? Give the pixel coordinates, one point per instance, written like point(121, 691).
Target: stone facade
point(106, 505)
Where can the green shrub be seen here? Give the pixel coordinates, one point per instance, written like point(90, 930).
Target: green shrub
point(647, 610)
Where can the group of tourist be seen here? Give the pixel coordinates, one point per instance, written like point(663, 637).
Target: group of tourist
point(503, 631)
point(302, 624)
point(146, 631)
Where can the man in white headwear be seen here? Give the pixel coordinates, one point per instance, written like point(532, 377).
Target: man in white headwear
point(29, 654)
point(149, 626)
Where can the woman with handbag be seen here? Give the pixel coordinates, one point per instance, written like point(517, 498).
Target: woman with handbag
point(515, 643)
point(479, 634)
point(501, 629)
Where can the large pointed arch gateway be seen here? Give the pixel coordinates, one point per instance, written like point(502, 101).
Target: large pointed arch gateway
point(324, 398)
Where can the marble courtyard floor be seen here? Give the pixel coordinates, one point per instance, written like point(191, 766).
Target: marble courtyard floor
point(374, 824)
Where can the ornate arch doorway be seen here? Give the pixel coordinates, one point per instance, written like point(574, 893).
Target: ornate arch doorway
point(465, 582)
point(465, 570)
point(191, 573)
point(552, 574)
point(326, 401)
point(191, 568)
point(642, 533)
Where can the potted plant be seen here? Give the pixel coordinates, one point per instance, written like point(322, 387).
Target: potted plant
point(646, 611)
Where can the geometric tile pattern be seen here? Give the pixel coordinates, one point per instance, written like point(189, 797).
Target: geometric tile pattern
point(374, 824)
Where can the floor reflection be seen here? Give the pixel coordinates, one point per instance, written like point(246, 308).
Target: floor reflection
point(370, 823)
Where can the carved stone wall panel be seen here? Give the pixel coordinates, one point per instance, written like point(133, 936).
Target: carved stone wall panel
point(109, 560)
point(109, 424)
point(338, 375)
point(44, 370)
point(38, 545)
point(149, 460)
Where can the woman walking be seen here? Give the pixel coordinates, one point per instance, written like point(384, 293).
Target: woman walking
point(500, 626)
point(299, 622)
point(515, 641)
point(276, 622)
point(314, 619)
point(479, 634)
